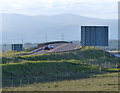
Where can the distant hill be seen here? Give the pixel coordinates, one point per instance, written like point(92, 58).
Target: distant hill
point(39, 28)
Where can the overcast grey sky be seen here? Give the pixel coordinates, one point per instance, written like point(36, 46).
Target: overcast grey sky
point(107, 9)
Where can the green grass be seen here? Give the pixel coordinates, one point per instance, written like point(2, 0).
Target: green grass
point(11, 56)
point(45, 70)
point(46, 67)
point(78, 54)
point(112, 69)
point(98, 83)
point(84, 54)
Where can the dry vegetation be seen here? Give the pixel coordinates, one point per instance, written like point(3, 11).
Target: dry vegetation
point(102, 82)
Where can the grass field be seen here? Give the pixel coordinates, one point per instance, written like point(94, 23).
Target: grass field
point(101, 82)
point(67, 68)
point(44, 71)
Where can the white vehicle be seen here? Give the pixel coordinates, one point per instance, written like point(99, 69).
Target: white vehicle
point(48, 47)
point(51, 46)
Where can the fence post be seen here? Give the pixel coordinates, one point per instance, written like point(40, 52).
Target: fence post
point(12, 82)
point(36, 79)
point(109, 65)
point(100, 68)
point(20, 82)
point(56, 77)
point(28, 80)
point(116, 65)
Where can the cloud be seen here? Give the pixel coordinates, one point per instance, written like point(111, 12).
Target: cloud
point(87, 0)
point(91, 8)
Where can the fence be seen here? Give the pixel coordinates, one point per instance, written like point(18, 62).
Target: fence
point(39, 79)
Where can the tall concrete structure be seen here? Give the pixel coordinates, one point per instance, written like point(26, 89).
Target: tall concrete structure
point(94, 35)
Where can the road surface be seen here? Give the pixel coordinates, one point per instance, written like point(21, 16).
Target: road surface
point(59, 47)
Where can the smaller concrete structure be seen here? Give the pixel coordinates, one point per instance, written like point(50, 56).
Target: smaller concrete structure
point(17, 47)
point(6, 47)
point(12, 47)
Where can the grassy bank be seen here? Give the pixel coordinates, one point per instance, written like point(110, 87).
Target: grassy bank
point(89, 55)
point(101, 82)
point(20, 69)
point(44, 71)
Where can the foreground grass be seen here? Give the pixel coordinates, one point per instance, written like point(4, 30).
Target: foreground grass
point(102, 82)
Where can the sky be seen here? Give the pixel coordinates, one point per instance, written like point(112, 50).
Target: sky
point(107, 9)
